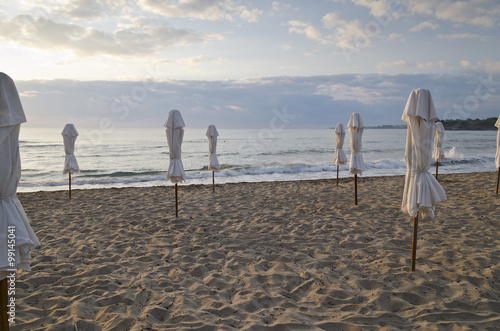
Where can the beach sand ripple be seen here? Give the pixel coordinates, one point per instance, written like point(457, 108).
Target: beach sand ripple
point(262, 256)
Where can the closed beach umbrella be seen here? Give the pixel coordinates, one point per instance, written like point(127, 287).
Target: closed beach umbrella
point(175, 133)
point(438, 145)
point(422, 191)
point(17, 238)
point(357, 164)
point(213, 162)
point(497, 156)
point(70, 164)
point(339, 158)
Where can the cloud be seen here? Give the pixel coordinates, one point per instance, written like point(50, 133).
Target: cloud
point(392, 65)
point(424, 25)
point(210, 10)
point(316, 101)
point(194, 60)
point(343, 91)
point(332, 20)
point(305, 29)
point(278, 7)
point(491, 67)
point(354, 34)
point(233, 107)
point(28, 94)
point(346, 34)
point(425, 7)
point(413, 64)
point(474, 12)
point(377, 8)
point(251, 15)
point(133, 40)
point(466, 64)
point(80, 10)
point(396, 36)
point(357, 34)
point(466, 35)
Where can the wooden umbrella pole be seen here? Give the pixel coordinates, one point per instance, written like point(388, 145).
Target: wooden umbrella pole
point(176, 205)
point(213, 181)
point(4, 299)
point(437, 164)
point(356, 189)
point(414, 243)
point(69, 184)
point(337, 175)
point(498, 178)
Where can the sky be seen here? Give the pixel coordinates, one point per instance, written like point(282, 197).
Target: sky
point(249, 64)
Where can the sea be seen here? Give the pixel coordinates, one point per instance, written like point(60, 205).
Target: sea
point(135, 157)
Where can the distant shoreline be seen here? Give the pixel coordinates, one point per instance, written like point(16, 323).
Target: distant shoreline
point(446, 128)
point(487, 124)
point(403, 126)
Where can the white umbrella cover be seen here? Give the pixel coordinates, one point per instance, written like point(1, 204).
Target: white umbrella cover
point(422, 191)
point(175, 134)
point(13, 220)
point(212, 134)
point(497, 156)
point(69, 136)
point(339, 157)
point(438, 155)
point(356, 128)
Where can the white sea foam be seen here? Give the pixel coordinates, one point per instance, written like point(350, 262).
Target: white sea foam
point(135, 157)
point(454, 154)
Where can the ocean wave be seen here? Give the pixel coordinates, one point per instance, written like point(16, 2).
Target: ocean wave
point(386, 164)
point(453, 154)
point(298, 152)
point(223, 166)
point(290, 168)
point(28, 145)
point(94, 174)
point(466, 161)
point(96, 181)
point(294, 169)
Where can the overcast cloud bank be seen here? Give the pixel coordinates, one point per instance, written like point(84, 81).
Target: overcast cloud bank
point(314, 101)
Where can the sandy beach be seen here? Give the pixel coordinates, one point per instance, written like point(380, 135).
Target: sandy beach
point(262, 256)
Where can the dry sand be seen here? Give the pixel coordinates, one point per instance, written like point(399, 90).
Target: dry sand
point(262, 256)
